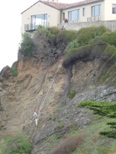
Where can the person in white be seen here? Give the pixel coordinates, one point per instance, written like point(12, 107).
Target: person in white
point(35, 115)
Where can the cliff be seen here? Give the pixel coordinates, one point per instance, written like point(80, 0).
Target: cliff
point(55, 80)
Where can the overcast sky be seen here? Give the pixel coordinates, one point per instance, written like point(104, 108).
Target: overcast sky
point(10, 26)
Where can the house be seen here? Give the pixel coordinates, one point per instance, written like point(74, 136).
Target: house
point(52, 13)
point(90, 10)
point(45, 13)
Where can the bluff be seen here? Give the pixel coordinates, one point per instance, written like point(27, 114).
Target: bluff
point(56, 71)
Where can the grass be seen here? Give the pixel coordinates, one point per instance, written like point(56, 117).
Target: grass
point(71, 94)
point(15, 144)
point(107, 75)
point(95, 143)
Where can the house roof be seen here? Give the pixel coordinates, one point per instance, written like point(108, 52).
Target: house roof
point(60, 6)
point(55, 5)
point(84, 2)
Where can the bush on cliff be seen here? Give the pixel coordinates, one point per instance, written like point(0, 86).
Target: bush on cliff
point(90, 43)
point(66, 35)
point(43, 30)
point(18, 144)
point(84, 35)
point(104, 109)
point(54, 31)
point(14, 71)
point(68, 145)
point(74, 54)
point(110, 38)
point(27, 45)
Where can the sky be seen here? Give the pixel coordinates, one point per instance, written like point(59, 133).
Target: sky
point(10, 27)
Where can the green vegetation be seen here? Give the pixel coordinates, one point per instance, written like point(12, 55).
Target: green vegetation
point(1, 78)
point(45, 31)
point(50, 32)
point(60, 126)
point(103, 109)
point(18, 144)
point(66, 35)
point(14, 71)
point(54, 31)
point(53, 140)
point(71, 94)
point(68, 145)
point(110, 51)
point(84, 36)
point(71, 53)
point(108, 75)
point(27, 45)
point(110, 38)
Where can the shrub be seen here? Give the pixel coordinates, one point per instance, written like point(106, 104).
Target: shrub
point(14, 71)
point(71, 94)
point(27, 45)
point(110, 51)
point(45, 31)
point(104, 109)
point(84, 35)
point(111, 134)
point(66, 35)
point(68, 145)
point(110, 37)
point(54, 30)
point(75, 54)
point(18, 144)
point(73, 44)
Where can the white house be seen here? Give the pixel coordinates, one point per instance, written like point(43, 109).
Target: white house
point(52, 13)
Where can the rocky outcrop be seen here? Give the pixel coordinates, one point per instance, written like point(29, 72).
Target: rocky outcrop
point(5, 72)
point(71, 116)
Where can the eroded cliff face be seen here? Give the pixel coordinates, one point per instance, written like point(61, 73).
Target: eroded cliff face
point(21, 95)
point(38, 87)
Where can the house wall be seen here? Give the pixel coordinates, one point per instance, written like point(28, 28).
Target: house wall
point(108, 10)
point(40, 8)
point(110, 24)
point(87, 11)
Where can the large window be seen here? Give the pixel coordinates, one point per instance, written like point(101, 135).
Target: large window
point(40, 19)
point(113, 8)
point(96, 10)
point(73, 15)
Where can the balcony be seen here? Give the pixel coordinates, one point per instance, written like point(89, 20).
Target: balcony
point(95, 18)
point(33, 27)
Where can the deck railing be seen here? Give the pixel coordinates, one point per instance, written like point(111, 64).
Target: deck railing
point(96, 18)
point(33, 27)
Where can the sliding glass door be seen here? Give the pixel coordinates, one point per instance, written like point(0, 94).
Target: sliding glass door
point(37, 20)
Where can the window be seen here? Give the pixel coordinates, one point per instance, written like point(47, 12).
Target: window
point(73, 15)
point(113, 8)
point(95, 10)
point(37, 20)
point(83, 11)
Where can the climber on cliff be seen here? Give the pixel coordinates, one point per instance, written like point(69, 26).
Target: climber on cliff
point(35, 115)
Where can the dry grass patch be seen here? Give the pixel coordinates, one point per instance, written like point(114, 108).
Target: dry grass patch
point(68, 145)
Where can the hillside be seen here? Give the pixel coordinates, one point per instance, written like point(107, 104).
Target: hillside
point(55, 72)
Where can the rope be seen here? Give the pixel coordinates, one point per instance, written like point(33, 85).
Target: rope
point(42, 104)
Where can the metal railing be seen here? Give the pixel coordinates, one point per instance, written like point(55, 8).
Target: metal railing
point(96, 18)
point(33, 27)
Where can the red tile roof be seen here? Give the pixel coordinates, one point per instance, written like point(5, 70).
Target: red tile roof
point(55, 5)
point(59, 6)
point(84, 2)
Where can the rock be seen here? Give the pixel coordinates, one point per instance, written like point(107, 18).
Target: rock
point(5, 72)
